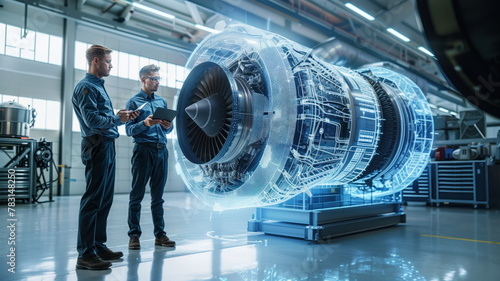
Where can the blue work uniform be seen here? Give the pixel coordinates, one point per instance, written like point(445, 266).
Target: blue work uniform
point(149, 162)
point(98, 125)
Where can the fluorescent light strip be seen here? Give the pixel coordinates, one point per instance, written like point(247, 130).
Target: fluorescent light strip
point(207, 29)
point(399, 35)
point(168, 16)
point(424, 50)
point(153, 11)
point(443, 109)
point(359, 11)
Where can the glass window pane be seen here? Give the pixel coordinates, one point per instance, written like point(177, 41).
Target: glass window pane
point(163, 73)
point(12, 41)
point(133, 67)
point(115, 63)
point(27, 46)
point(121, 131)
point(80, 60)
point(10, 98)
point(76, 125)
point(155, 62)
point(55, 51)
point(123, 65)
point(180, 76)
point(2, 38)
point(53, 116)
point(41, 109)
point(42, 47)
point(28, 102)
point(143, 62)
point(171, 76)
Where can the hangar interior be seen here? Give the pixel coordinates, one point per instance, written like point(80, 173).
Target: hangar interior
point(441, 226)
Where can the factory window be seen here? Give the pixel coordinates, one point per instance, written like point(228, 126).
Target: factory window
point(2, 38)
point(127, 66)
point(47, 112)
point(55, 50)
point(163, 72)
point(180, 76)
point(31, 45)
point(122, 64)
point(75, 126)
point(80, 61)
point(42, 43)
point(171, 77)
point(27, 46)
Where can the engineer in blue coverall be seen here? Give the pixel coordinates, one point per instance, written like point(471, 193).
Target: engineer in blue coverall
point(98, 125)
point(149, 158)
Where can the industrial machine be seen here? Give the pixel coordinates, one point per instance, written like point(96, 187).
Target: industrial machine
point(27, 163)
point(18, 160)
point(261, 120)
point(16, 119)
point(31, 164)
point(44, 159)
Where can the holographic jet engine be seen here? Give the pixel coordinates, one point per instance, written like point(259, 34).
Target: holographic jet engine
point(261, 119)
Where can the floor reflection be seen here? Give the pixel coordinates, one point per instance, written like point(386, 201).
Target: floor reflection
point(325, 261)
point(216, 246)
point(149, 268)
point(133, 259)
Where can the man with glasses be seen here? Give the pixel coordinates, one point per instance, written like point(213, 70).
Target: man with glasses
point(150, 157)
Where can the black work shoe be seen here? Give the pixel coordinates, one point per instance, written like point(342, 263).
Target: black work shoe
point(92, 263)
point(134, 243)
point(107, 254)
point(164, 241)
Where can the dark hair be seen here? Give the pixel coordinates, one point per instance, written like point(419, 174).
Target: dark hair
point(96, 51)
point(146, 70)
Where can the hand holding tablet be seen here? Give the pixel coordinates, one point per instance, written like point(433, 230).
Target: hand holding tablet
point(164, 114)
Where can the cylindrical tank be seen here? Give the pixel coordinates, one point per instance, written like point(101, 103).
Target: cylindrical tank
point(261, 119)
point(15, 120)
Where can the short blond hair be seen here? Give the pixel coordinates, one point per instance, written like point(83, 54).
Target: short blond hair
point(96, 51)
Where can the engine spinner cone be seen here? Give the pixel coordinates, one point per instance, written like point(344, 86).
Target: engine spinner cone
point(209, 114)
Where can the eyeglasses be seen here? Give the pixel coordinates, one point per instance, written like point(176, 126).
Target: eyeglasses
point(154, 78)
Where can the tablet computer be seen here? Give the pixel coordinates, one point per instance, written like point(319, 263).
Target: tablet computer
point(140, 107)
point(164, 114)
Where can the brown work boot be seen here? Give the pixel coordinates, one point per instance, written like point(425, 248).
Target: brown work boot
point(92, 263)
point(134, 243)
point(107, 254)
point(164, 241)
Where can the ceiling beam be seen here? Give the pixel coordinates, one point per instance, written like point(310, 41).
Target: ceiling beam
point(194, 12)
point(101, 22)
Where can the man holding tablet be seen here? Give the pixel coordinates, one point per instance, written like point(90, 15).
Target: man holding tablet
point(150, 157)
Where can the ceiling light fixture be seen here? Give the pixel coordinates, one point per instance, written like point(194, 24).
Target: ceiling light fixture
point(359, 11)
point(168, 16)
point(444, 110)
point(397, 34)
point(207, 29)
point(424, 50)
point(151, 10)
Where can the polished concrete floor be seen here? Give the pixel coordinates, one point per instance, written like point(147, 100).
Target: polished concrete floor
point(436, 243)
